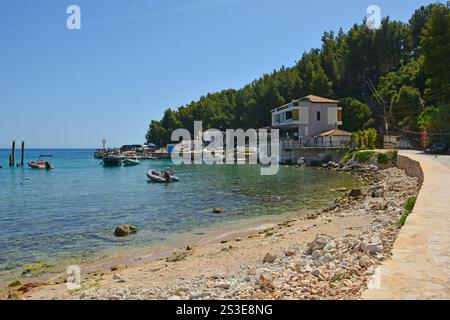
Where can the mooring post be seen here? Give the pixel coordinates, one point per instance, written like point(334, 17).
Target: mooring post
point(22, 154)
point(11, 159)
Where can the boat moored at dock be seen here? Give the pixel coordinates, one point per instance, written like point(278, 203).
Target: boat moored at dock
point(112, 161)
point(130, 162)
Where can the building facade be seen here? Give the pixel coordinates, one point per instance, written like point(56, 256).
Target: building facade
point(304, 119)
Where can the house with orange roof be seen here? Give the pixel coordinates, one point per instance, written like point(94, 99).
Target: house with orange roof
point(307, 117)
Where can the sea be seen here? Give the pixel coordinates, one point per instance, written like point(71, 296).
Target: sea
point(71, 212)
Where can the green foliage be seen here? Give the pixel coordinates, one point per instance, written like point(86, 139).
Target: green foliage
point(406, 106)
point(348, 155)
point(365, 139)
point(382, 158)
point(410, 203)
point(355, 114)
point(408, 63)
point(392, 155)
point(408, 206)
point(436, 119)
point(435, 47)
point(402, 219)
point(363, 156)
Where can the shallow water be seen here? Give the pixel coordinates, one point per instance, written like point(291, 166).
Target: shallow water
point(71, 212)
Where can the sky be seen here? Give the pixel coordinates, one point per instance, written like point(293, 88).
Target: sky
point(132, 59)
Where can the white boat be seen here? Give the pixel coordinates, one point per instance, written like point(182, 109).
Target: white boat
point(157, 177)
point(130, 162)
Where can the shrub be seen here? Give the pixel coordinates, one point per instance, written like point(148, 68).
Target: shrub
point(393, 155)
point(382, 158)
point(365, 139)
point(409, 206)
point(348, 155)
point(364, 156)
point(403, 219)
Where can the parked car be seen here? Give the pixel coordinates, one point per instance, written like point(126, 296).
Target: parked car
point(436, 148)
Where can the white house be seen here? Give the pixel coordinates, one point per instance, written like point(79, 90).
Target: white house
point(303, 119)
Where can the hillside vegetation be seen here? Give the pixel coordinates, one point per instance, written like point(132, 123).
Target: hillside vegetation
point(399, 74)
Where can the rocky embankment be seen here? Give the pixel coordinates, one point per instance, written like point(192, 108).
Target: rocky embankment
point(328, 267)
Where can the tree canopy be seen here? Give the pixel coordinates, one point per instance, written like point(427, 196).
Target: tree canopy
point(408, 65)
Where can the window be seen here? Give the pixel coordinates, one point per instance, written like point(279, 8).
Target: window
point(339, 115)
point(288, 115)
point(296, 114)
point(318, 115)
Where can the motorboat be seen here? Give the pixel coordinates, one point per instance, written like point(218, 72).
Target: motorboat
point(42, 164)
point(112, 161)
point(157, 177)
point(130, 162)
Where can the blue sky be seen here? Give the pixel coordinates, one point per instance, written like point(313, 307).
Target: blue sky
point(133, 58)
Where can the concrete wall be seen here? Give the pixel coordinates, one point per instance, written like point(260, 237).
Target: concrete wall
point(411, 167)
point(311, 154)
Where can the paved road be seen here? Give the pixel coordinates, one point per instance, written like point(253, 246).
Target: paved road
point(444, 159)
point(420, 263)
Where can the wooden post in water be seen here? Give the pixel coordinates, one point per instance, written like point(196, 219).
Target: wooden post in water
point(13, 150)
point(22, 154)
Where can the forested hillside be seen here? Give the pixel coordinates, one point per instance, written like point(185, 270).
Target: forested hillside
point(399, 74)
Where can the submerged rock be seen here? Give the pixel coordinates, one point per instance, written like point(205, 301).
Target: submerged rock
point(125, 230)
point(217, 210)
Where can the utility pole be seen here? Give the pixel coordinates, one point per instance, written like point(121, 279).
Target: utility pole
point(379, 113)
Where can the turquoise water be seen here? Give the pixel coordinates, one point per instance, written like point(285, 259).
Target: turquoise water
point(72, 211)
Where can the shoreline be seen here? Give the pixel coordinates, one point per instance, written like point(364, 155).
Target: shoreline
point(131, 256)
point(249, 262)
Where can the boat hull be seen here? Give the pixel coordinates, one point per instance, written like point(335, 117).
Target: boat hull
point(112, 162)
point(156, 177)
point(130, 162)
point(37, 165)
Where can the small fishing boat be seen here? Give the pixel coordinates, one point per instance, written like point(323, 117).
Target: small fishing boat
point(130, 162)
point(157, 177)
point(41, 164)
point(112, 161)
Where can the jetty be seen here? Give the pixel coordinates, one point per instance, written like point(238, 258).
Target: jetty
point(135, 151)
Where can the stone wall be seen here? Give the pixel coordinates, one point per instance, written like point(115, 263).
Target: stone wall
point(411, 167)
point(334, 154)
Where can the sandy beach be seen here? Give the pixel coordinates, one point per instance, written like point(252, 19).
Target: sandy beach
point(324, 254)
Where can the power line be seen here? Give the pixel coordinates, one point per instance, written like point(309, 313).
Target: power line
point(416, 132)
